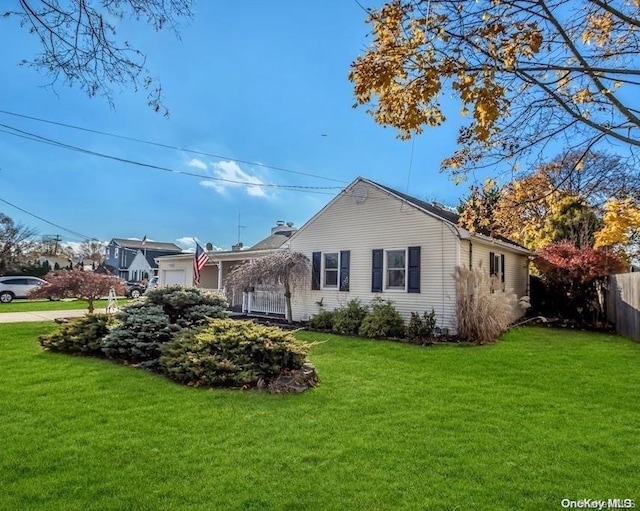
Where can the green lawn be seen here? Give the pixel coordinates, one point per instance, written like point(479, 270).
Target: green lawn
point(46, 305)
point(541, 416)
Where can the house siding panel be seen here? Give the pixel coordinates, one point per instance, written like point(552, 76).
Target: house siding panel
point(381, 222)
point(516, 275)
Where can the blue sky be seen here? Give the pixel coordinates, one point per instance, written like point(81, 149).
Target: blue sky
point(256, 81)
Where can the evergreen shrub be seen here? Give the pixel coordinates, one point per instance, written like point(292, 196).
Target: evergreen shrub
point(146, 324)
point(322, 321)
point(347, 320)
point(82, 336)
point(421, 327)
point(230, 353)
point(382, 321)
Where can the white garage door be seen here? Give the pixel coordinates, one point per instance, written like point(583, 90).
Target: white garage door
point(173, 277)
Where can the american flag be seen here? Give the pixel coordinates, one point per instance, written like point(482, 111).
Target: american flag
point(144, 241)
point(199, 260)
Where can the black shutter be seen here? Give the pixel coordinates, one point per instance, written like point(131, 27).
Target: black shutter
point(345, 261)
point(502, 266)
point(492, 264)
point(316, 261)
point(414, 270)
point(376, 270)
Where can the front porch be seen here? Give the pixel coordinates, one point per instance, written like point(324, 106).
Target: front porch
point(261, 299)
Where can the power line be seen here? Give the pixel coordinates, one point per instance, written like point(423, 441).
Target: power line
point(10, 130)
point(82, 236)
point(168, 146)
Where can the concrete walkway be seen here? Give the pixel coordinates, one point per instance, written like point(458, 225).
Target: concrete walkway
point(22, 317)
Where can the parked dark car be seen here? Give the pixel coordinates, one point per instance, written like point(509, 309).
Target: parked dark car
point(134, 289)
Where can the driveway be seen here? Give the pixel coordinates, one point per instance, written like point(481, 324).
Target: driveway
point(22, 317)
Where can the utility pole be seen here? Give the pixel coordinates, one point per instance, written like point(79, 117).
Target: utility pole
point(51, 242)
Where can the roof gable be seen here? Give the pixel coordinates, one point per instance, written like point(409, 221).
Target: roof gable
point(448, 217)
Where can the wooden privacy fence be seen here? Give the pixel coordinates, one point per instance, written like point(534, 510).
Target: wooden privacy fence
point(623, 304)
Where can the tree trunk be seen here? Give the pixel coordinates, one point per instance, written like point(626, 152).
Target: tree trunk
point(287, 298)
point(90, 302)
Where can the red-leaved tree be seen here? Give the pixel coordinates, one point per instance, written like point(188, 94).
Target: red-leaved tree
point(576, 276)
point(77, 284)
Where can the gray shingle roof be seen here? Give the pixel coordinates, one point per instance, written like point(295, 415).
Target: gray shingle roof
point(449, 216)
point(152, 245)
point(273, 241)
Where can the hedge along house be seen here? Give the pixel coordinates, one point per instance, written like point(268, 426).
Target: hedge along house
point(178, 269)
point(372, 241)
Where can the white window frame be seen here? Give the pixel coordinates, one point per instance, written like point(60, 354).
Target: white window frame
point(116, 253)
point(385, 286)
point(499, 270)
point(497, 262)
point(323, 269)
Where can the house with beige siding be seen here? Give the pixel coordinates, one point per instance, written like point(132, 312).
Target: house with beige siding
point(372, 240)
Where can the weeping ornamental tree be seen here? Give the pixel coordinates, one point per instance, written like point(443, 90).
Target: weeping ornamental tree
point(289, 269)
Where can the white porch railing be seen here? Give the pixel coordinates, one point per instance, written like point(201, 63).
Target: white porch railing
point(236, 298)
point(264, 299)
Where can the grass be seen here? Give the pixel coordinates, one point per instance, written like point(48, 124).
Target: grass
point(541, 416)
point(46, 305)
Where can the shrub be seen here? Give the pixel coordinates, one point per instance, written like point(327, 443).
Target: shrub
point(231, 353)
point(482, 313)
point(383, 320)
point(347, 320)
point(322, 321)
point(145, 325)
point(421, 327)
point(187, 306)
point(137, 339)
point(83, 336)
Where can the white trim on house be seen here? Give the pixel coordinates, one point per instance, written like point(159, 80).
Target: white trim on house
point(385, 268)
point(384, 221)
point(323, 270)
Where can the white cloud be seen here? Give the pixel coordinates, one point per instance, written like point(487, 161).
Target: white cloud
point(188, 244)
point(234, 177)
point(198, 164)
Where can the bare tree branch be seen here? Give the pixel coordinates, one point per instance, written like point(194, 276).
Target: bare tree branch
point(79, 44)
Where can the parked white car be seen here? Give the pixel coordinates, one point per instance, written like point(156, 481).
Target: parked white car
point(17, 287)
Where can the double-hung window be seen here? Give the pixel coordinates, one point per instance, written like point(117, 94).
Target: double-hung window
point(331, 265)
point(497, 267)
point(396, 269)
point(330, 270)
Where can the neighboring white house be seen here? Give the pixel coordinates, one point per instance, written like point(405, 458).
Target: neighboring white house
point(372, 241)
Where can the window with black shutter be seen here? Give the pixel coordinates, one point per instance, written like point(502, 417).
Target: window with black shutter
point(316, 261)
point(345, 262)
point(331, 266)
point(413, 285)
point(377, 268)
